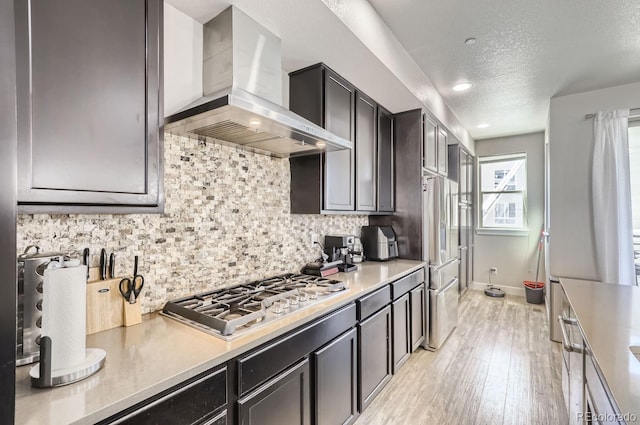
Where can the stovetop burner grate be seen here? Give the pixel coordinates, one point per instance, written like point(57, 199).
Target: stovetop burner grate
point(239, 308)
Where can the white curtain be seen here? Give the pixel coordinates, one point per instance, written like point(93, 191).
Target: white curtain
point(611, 188)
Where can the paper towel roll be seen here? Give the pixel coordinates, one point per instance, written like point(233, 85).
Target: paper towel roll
point(64, 315)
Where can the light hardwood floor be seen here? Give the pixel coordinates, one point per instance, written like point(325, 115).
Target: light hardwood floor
point(498, 367)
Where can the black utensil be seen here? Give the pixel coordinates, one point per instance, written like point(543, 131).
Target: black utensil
point(130, 288)
point(103, 264)
point(85, 259)
point(112, 265)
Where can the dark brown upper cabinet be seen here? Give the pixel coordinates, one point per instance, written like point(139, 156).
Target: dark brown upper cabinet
point(443, 163)
point(89, 99)
point(365, 147)
point(346, 180)
point(430, 150)
point(434, 150)
point(339, 100)
point(386, 161)
point(466, 177)
point(327, 181)
point(461, 170)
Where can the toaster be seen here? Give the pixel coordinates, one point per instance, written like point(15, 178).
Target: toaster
point(379, 243)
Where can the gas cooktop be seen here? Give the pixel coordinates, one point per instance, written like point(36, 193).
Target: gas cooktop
point(230, 312)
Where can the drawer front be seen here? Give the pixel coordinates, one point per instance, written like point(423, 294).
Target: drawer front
point(373, 302)
point(442, 275)
point(407, 283)
point(182, 405)
point(601, 405)
point(268, 361)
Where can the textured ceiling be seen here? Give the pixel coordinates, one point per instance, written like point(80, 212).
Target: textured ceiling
point(526, 53)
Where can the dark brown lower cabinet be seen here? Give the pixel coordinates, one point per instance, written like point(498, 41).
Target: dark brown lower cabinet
point(374, 355)
point(284, 399)
point(336, 387)
point(418, 314)
point(324, 372)
point(401, 316)
point(196, 402)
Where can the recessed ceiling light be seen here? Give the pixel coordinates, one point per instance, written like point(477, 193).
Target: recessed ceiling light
point(320, 144)
point(470, 41)
point(462, 86)
point(254, 121)
point(482, 125)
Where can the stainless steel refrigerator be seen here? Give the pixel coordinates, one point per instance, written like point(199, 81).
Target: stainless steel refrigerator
point(440, 242)
point(426, 225)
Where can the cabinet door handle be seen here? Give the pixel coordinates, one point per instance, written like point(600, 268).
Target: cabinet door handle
point(566, 343)
point(569, 320)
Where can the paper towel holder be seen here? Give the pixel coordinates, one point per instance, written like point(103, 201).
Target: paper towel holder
point(42, 376)
point(70, 284)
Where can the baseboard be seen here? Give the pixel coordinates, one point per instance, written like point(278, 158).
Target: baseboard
point(509, 290)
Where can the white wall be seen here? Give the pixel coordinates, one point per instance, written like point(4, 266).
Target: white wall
point(182, 60)
point(514, 256)
point(571, 246)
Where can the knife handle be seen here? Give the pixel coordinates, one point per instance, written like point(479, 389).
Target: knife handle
point(85, 259)
point(103, 264)
point(135, 266)
point(112, 265)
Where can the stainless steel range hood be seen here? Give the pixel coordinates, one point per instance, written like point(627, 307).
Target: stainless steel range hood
point(242, 85)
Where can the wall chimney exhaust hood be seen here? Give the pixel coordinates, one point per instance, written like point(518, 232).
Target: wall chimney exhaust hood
point(242, 85)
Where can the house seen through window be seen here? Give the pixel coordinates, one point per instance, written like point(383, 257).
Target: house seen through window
point(503, 189)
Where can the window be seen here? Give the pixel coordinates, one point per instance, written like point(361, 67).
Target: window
point(499, 176)
point(505, 213)
point(503, 192)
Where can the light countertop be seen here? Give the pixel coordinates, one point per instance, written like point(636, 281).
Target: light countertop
point(609, 316)
point(148, 358)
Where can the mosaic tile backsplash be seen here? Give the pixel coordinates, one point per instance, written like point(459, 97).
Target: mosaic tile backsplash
point(226, 221)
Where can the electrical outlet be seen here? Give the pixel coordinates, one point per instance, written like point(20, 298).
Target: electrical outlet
point(315, 238)
point(493, 271)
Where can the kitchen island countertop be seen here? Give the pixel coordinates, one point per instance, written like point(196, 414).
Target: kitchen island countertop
point(159, 353)
point(609, 316)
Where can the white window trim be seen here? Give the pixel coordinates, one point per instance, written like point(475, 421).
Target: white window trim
point(500, 231)
point(492, 231)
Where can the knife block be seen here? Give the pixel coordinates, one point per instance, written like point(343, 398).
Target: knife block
point(132, 315)
point(106, 307)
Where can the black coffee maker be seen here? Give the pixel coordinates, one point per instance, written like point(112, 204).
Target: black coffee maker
point(338, 248)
